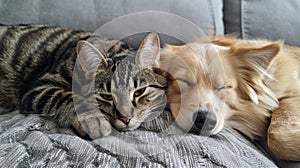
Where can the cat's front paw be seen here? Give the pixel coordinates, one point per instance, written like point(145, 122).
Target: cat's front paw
point(93, 125)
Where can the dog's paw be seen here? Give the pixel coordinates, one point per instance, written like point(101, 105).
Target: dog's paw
point(93, 125)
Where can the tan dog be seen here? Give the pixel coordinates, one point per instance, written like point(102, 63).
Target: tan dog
point(237, 83)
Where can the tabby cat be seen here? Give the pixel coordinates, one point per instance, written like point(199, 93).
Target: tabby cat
point(78, 79)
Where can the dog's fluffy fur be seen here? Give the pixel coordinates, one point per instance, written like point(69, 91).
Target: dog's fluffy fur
point(241, 82)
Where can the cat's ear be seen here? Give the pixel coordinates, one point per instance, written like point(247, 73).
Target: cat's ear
point(148, 54)
point(89, 56)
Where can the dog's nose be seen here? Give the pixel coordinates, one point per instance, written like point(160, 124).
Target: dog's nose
point(205, 120)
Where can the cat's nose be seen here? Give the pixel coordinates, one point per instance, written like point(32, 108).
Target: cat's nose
point(125, 120)
point(124, 115)
point(205, 120)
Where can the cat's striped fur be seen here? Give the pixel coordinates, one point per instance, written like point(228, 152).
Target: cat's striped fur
point(36, 76)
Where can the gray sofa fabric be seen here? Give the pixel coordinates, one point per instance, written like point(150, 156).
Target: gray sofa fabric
point(270, 19)
point(90, 14)
point(33, 141)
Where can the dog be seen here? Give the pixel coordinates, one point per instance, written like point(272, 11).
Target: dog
point(234, 82)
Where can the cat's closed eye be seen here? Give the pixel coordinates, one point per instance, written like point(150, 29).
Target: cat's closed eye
point(107, 97)
point(139, 92)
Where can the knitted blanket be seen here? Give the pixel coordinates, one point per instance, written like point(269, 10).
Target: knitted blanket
point(33, 141)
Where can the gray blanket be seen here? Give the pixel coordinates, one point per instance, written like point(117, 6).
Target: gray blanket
point(32, 141)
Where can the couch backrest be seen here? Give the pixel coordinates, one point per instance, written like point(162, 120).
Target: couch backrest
point(91, 14)
point(271, 19)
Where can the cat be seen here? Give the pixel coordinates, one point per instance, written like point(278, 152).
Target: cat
point(78, 79)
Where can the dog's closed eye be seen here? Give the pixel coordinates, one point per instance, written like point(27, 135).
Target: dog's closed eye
point(188, 83)
point(222, 88)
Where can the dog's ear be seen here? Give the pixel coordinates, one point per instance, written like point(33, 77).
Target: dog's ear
point(258, 59)
point(226, 40)
point(251, 67)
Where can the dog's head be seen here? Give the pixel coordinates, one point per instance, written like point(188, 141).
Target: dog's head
point(196, 86)
point(211, 85)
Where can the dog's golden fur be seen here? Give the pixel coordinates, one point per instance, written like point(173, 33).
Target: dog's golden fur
point(241, 82)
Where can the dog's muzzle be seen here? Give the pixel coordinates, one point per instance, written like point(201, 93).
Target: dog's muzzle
point(204, 120)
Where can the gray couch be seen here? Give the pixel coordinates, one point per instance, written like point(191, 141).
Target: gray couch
point(32, 141)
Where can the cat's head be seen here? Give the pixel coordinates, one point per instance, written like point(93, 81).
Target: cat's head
point(129, 89)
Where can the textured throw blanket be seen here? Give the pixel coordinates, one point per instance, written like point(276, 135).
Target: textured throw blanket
point(32, 141)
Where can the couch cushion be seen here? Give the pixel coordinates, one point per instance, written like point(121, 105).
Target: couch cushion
point(33, 141)
point(90, 14)
point(273, 19)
